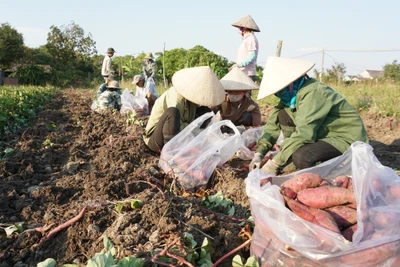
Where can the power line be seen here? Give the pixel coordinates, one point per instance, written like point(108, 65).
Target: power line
point(336, 60)
point(308, 54)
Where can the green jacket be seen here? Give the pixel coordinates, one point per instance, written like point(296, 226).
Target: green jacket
point(321, 115)
point(170, 98)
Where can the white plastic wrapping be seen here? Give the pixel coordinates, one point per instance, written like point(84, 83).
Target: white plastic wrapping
point(193, 154)
point(130, 102)
point(277, 228)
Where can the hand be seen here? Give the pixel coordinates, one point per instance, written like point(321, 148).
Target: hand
point(140, 112)
point(256, 161)
point(241, 128)
point(271, 167)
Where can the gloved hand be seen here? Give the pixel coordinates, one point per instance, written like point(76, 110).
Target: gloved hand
point(241, 128)
point(256, 161)
point(271, 167)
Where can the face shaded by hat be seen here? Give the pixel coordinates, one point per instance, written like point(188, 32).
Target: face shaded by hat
point(148, 56)
point(199, 85)
point(246, 22)
point(137, 78)
point(111, 50)
point(280, 72)
point(237, 80)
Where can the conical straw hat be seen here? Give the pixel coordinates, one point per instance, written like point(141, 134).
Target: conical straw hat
point(280, 72)
point(237, 80)
point(199, 85)
point(247, 22)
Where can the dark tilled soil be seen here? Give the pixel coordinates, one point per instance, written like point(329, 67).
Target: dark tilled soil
point(92, 161)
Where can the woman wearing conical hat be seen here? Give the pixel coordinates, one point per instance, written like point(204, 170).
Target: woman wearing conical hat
point(176, 108)
point(317, 122)
point(238, 106)
point(248, 49)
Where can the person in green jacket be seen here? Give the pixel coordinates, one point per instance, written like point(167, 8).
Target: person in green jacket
point(317, 123)
point(193, 89)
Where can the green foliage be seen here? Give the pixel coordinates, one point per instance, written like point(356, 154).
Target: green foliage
point(31, 75)
point(335, 73)
point(204, 258)
point(19, 105)
point(72, 52)
point(11, 46)
point(392, 71)
point(217, 201)
point(107, 258)
point(10, 229)
point(251, 262)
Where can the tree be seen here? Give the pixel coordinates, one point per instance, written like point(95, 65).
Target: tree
point(11, 45)
point(392, 71)
point(336, 73)
point(72, 53)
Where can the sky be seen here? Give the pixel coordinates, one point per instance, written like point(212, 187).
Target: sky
point(306, 27)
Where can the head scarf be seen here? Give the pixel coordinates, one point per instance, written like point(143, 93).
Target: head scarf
point(289, 93)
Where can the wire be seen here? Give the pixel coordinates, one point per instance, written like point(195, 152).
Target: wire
point(308, 54)
point(336, 61)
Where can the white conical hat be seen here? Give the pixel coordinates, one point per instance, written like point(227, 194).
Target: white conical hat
point(199, 85)
point(247, 22)
point(236, 79)
point(280, 72)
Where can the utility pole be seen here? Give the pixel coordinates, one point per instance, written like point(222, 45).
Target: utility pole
point(322, 65)
point(279, 48)
point(163, 66)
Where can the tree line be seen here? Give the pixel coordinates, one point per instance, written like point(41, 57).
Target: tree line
point(73, 60)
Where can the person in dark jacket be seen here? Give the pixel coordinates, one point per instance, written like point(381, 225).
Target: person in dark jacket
point(318, 123)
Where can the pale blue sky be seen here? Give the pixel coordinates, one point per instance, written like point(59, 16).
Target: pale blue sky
point(132, 27)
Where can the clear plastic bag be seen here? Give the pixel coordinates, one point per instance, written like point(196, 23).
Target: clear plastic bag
point(376, 241)
point(249, 140)
point(193, 154)
point(129, 102)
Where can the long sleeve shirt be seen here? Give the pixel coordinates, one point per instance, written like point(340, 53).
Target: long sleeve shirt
point(322, 114)
point(170, 98)
point(106, 67)
point(249, 45)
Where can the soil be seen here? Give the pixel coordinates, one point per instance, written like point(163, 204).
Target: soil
point(70, 158)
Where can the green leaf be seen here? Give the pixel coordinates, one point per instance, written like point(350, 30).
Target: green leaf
point(237, 261)
point(130, 262)
point(101, 260)
point(231, 211)
point(136, 203)
point(47, 263)
point(189, 237)
point(11, 229)
point(252, 262)
point(108, 245)
point(119, 207)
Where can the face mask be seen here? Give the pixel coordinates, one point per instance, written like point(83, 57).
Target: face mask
point(235, 98)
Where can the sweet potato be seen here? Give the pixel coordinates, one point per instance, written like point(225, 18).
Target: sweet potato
point(349, 232)
point(316, 216)
point(325, 197)
point(371, 256)
point(395, 192)
point(286, 191)
point(303, 181)
point(343, 215)
point(325, 183)
point(350, 185)
point(341, 181)
point(383, 219)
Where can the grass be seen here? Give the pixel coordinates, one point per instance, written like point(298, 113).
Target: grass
point(377, 98)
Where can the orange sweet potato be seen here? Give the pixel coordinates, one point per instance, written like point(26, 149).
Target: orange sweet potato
point(343, 215)
point(348, 232)
point(316, 216)
point(303, 181)
point(383, 219)
point(350, 185)
point(286, 191)
point(395, 191)
point(341, 181)
point(325, 197)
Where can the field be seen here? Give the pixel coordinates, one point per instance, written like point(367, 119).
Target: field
point(70, 158)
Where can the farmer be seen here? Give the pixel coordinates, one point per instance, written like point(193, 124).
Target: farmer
point(147, 92)
point(317, 122)
point(103, 86)
point(248, 50)
point(110, 98)
point(149, 66)
point(106, 68)
point(238, 106)
point(176, 108)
